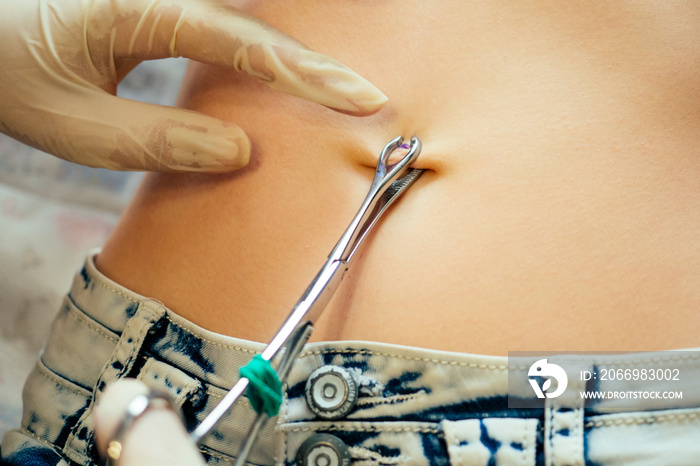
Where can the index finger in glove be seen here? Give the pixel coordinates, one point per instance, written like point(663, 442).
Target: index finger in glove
point(156, 438)
point(211, 32)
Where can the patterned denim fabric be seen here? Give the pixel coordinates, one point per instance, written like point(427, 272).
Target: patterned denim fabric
point(413, 406)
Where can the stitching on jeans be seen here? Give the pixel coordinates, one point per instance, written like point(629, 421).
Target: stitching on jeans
point(552, 433)
point(373, 353)
point(215, 454)
point(130, 343)
point(362, 428)
point(46, 372)
point(242, 401)
point(304, 354)
point(31, 434)
point(109, 287)
point(216, 343)
point(661, 418)
point(92, 325)
point(400, 356)
point(453, 363)
point(679, 357)
point(284, 417)
point(307, 353)
point(150, 319)
point(389, 400)
point(216, 395)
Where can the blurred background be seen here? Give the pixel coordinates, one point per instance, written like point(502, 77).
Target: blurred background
point(52, 213)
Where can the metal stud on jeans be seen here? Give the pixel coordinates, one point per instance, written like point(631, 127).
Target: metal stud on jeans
point(331, 392)
point(323, 450)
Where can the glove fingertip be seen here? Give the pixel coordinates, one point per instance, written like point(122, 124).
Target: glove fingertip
point(222, 150)
point(194, 144)
point(324, 80)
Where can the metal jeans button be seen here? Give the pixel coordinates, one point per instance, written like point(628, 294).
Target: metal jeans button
point(331, 392)
point(323, 450)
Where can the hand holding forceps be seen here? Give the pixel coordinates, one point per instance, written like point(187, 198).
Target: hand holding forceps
point(390, 181)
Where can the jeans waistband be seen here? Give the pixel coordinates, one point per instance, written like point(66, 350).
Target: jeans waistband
point(105, 331)
point(367, 390)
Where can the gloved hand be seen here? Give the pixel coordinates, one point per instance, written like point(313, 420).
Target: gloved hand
point(157, 438)
point(61, 61)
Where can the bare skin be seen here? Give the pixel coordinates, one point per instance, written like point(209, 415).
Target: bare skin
point(561, 210)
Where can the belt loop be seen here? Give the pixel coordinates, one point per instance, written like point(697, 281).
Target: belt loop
point(480, 442)
point(563, 420)
point(80, 445)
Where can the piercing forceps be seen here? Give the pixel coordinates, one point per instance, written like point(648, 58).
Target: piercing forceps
point(388, 184)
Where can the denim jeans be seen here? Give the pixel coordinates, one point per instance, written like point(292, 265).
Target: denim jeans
point(360, 402)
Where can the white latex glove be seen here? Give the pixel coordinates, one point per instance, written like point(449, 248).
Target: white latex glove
point(61, 61)
point(157, 438)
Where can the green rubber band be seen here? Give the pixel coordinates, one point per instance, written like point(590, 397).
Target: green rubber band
point(265, 388)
